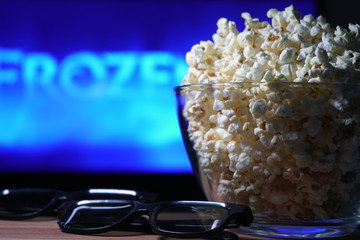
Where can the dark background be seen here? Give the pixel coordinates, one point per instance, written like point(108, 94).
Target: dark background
point(340, 12)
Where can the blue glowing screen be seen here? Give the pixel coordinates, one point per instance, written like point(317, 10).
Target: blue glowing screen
point(87, 86)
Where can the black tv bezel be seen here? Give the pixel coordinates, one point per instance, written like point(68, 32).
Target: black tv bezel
point(168, 186)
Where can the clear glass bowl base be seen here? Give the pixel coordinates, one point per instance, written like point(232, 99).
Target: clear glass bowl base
point(281, 229)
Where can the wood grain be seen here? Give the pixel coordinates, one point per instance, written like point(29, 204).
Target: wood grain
point(47, 228)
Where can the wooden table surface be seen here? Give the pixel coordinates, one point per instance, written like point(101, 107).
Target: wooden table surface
point(47, 228)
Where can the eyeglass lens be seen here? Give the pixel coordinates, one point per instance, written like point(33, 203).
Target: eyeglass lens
point(97, 216)
point(22, 202)
point(194, 219)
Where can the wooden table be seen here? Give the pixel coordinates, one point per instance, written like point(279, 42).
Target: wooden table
point(47, 228)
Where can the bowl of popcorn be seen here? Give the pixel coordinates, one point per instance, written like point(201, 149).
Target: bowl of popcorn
point(270, 118)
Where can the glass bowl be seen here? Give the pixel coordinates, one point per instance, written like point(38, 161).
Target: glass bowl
point(288, 150)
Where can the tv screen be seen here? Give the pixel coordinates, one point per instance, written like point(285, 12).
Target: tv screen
point(87, 86)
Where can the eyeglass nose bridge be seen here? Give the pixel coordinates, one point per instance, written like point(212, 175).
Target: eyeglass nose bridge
point(139, 209)
point(142, 209)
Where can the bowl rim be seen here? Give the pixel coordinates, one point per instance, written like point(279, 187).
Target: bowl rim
point(269, 84)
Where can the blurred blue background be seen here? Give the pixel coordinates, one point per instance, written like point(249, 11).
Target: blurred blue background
point(87, 86)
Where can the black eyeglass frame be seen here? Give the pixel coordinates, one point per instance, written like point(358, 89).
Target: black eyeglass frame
point(237, 215)
point(59, 197)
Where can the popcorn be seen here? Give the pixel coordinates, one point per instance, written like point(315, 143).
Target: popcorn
point(258, 108)
point(267, 139)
